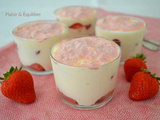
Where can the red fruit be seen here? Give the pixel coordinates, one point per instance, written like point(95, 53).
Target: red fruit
point(117, 41)
point(105, 97)
point(67, 98)
point(88, 26)
point(38, 52)
point(144, 85)
point(112, 77)
point(76, 26)
point(133, 65)
point(37, 67)
point(18, 85)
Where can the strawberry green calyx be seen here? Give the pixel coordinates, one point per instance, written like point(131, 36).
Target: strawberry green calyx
point(153, 75)
point(141, 56)
point(8, 74)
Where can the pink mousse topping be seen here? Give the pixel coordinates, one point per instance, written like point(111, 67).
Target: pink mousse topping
point(77, 12)
point(86, 52)
point(120, 23)
point(39, 30)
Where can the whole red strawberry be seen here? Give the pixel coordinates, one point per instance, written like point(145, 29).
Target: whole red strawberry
point(133, 65)
point(18, 85)
point(144, 85)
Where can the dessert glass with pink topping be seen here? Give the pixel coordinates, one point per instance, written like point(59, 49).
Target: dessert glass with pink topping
point(126, 31)
point(34, 41)
point(80, 19)
point(85, 71)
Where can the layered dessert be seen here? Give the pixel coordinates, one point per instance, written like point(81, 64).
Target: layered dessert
point(80, 19)
point(126, 31)
point(85, 71)
point(34, 41)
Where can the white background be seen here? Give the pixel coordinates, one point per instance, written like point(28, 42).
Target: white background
point(149, 8)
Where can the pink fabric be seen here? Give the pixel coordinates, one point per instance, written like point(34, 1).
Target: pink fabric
point(48, 106)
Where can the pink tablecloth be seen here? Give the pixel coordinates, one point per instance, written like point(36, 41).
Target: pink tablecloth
point(48, 106)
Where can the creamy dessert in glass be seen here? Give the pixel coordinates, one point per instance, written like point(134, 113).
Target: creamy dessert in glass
point(85, 70)
point(34, 41)
point(126, 31)
point(80, 19)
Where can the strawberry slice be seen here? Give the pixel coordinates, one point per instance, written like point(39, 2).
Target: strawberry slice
point(117, 41)
point(112, 77)
point(104, 97)
point(67, 98)
point(38, 52)
point(76, 26)
point(37, 67)
point(88, 26)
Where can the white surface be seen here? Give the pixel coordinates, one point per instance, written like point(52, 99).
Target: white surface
point(45, 8)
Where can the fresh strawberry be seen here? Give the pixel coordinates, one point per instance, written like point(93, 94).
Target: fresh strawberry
point(18, 85)
point(144, 85)
point(133, 65)
point(76, 26)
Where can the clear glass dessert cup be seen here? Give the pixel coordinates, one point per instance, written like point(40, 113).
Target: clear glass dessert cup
point(78, 27)
point(85, 87)
point(34, 55)
point(129, 41)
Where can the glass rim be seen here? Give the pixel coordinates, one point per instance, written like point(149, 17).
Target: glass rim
point(122, 31)
point(45, 20)
point(56, 10)
point(67, 39)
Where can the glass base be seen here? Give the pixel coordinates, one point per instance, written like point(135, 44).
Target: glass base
point(87, 107)
point(36, 72)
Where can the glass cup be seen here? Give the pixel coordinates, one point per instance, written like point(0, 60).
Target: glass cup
point(34, 54)
point(80, 23)
point(129, 41)
point(83, 87)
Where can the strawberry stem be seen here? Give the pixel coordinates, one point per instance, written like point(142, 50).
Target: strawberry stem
point(153, 75)
point(141, 56)
point(158, 78)
point(8, 74)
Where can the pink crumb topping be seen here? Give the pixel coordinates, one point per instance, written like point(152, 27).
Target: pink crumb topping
point(77, 12)
point(86, 52)
point(120, 23)
point(39, 30)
